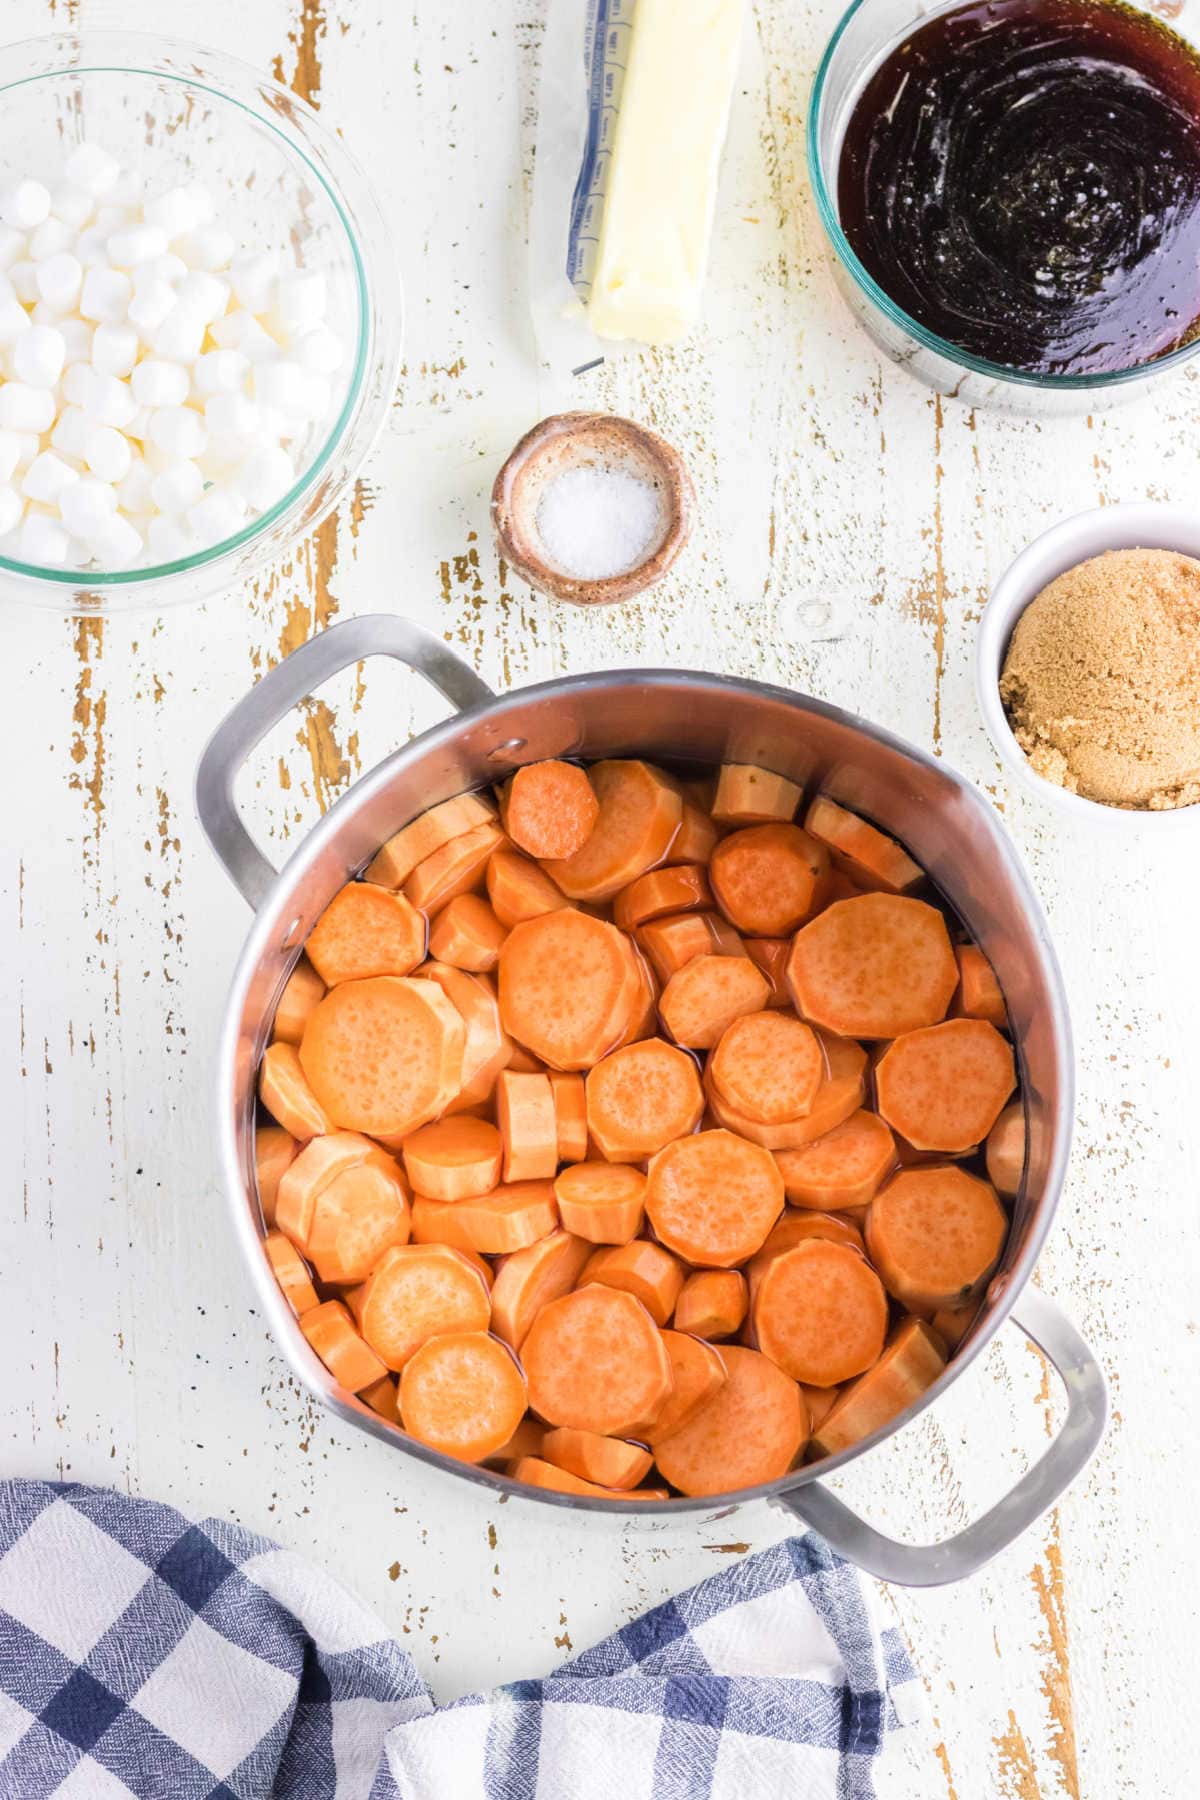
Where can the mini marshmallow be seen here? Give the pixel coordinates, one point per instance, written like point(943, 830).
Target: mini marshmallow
point(77, 336)
point(77, 383)
point(133, 489)
point(72, 205)
point(105, 295)
point(28, 445)
point(207, 247)
point(111, 218)
point(59, 280)
point(175, 212)
point(47, 477)
point(115, 543)
point(220, 372)
point(300, 302)
point(167, 267)
point(177, 431)
point(39, 355)
point(42, 541)
point(283, 384)
point(252, 275)
point(231, 416)
point(109, 400)
point(159, 383)
point(114, 349)
point(24, 204)
point(86, 504)
point(10, 449)
point(242, 331)
point(128, 189)
point(11, 508)
point(91, 168)
point(151, 303)
point(179, 337)
point(264, 477)
point(12, 245)
point(218, 515)
point(91, 247)
point(169, 539)
point(206, 294)
point(136, 244)
point(24, 408)
point(51, 236)
point(107, 453)
point(23, 276)
point(71, 431)
point(139, 424)
point(319, 351)
point(177, 487)
point(14, 320)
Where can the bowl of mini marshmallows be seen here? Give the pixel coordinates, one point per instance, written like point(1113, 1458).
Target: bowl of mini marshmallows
point(200, 321)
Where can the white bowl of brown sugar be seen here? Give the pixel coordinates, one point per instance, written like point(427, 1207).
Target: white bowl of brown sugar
point(1088, 665)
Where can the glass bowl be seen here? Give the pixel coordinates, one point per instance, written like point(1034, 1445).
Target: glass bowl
point(282, 181)
point(863, 37)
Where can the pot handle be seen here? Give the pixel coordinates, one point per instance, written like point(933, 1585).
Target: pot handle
point(932, 1565)
point(272, 698)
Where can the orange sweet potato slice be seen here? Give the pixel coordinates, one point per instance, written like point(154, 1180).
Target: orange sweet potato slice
point(529, 1279)
point(366, 930)
point(310, 1172)
point(291, 1272)
point(274, 1152)
point(843, 1168)
point(712, 1303)
point(800, 1228)
point(712, 1198)
point(770, 1066)
point(569, 984)
point(526, 1440)
point(819, 1402)
point(750, 1431)
point(358, 1215)
point(549, 809)
point(820, 1312)
point(979, 995)
point(454, 1158)
point(748, 795)
point(415, 1292)
point(952, 1323)
point(284, 1090)
point(768, 878)
point(911, 1363)
point(518, 889)
point(426, 834)
point(488, 1048)
point(466, 934)
point(495, 1224)
point(1006, 1150)
point(607, 1462)
point(840, 1094)
point(528, 1126)
point(602, 1202)
point(640, 1098)
point(943, 1087)
point(570, 1116)
point(301, 991)
point(639, 815)
point(383, 1398)
point(935, 1234)
point(330, 1331)
point(462, 1393)
point(640, 1268)
point(696, 838)
point(698, 1371)
point(866, 855)
point(457, 868)
point(536, 1472)
point(707, 994)
point(385, 1055)
point(595, 1360)
point(873, 967)
point(680, 888)
point(770, 955)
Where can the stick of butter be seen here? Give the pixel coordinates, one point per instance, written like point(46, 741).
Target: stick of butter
point(662, 186)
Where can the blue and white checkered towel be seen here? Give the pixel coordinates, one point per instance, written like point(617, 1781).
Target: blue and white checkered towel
point(143, 1654)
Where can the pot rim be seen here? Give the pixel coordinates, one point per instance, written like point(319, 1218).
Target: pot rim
point(275, 910)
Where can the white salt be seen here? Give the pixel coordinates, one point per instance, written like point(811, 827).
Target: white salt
point(596, 522)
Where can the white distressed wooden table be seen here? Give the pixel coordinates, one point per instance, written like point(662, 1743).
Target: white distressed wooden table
point(131, 1351)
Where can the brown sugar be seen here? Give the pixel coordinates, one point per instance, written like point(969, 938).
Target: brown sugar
point(1101, 681)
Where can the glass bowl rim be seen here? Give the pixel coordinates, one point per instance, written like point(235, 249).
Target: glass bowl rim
point(963, 359)
point(263, 523)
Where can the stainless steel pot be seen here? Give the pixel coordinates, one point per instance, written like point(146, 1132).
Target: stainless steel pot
point(665, 715)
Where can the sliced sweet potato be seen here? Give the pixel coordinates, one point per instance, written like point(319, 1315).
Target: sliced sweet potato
point(570, 1116)
point(528, 1126)
point(943, 1087)
point(529, 1279)
point(535, 1471)
point(518, 889)
point(606, 1461)
point(291, 1272)
point(488, 1049)
point(696, 838)
point(274, 1152)
point(935, 1235)
point(820, 1312)
point(526, 1440)
point(495, 1224)
point(712, 1198)
point(301, 991)
point(383, 1398)
point(463, 1394)
point(750, 1431)
point(912, 1362)
point(979, 995)
point(640, 814)
point(643, 1016)
point(385, 1055)
point(284, 1090)
point(596, 1360)
point(640, 1268)
point(1006, 1150)
point(801, 1228)
point(602, 1202)
point(770, 1066)
point(873, 967)
point(952, 1323)
point(569, 985)
point(840, 1094)
point(366, 930)
point(868, 856)
point(707, 994)
point(358, 1215)
point(466, 934)
point(523, 1063)
point(415, 1292)
point(425, 835)
point(312, 1170)
point(768, 878)
point(670, 942)
point(549, 809)
point(331, 1334)
point(680, 888)
point(819, 1402)
point(748, 795)
point(698, 1370)
point(770, 955)
point(454, 1158)
point(457, 868)
point(843, 1168)
point(640, 1098)
point(712, 1303)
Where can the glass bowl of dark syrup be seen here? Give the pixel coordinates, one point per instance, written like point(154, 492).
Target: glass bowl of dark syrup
point(1011, 190)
